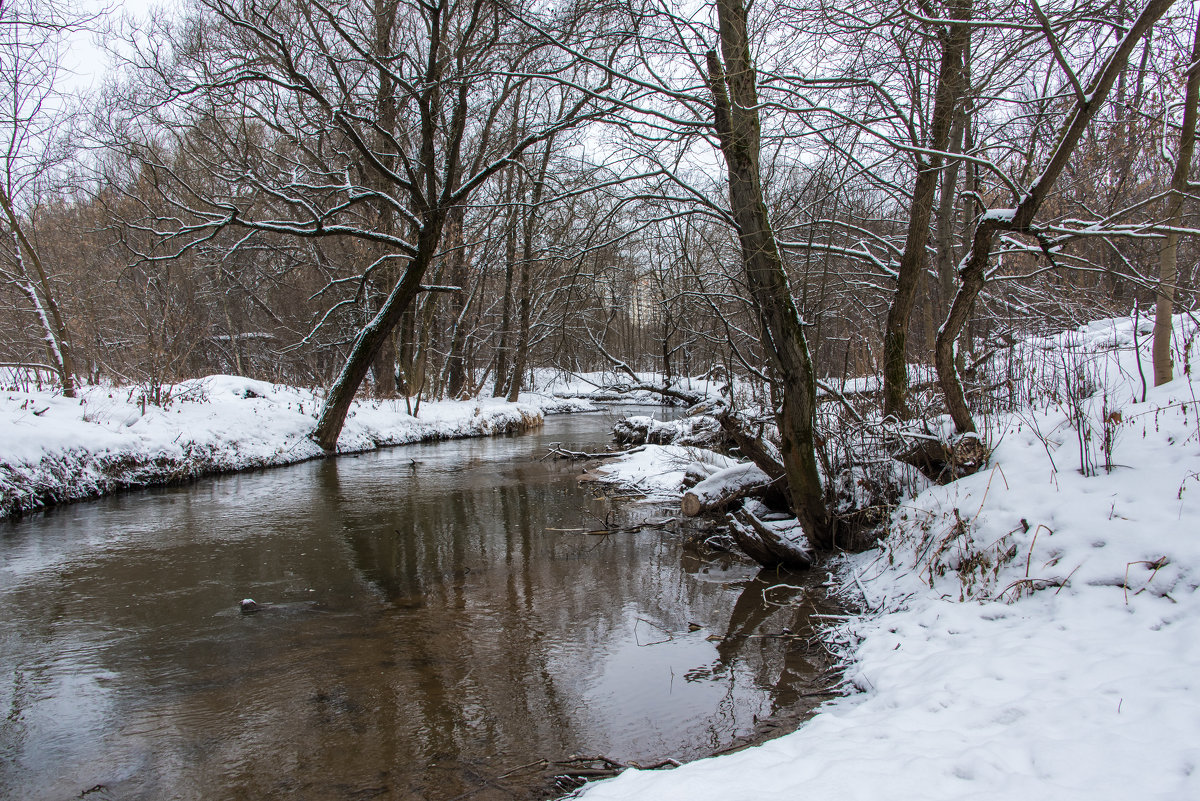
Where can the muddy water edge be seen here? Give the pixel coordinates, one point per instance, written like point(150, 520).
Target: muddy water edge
point(437, 625)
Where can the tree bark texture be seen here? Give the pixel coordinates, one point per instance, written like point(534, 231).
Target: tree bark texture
point(735, 96)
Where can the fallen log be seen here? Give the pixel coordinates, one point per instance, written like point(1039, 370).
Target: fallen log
point(755, 448)
point(725, 487)
point(940, 461)
point(765, 545)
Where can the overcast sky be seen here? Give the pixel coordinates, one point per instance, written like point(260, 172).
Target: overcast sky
point(86, 59)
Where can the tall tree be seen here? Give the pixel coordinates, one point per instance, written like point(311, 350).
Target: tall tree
point(35, 117)
point(733, 84)
point(1028, 199)
point(953, 37)
point(1167, 268)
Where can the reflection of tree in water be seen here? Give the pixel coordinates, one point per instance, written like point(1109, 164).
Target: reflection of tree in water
point(772, 632)
point(468, 676)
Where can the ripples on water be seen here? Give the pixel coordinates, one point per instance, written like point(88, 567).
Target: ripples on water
point(427, 634)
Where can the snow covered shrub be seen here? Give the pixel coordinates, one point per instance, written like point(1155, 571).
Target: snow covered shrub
point(863, 480)
point(192, 391)
point(947, 544)
point(15, 377)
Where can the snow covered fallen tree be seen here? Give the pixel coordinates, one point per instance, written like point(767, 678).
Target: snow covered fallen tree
point(724, 487)
point(55, 449)
point(1028, 631)
point(618, 386)
point(699, 431)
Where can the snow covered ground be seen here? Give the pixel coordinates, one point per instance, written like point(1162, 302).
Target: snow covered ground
point(55, 449)
point(1033, 631)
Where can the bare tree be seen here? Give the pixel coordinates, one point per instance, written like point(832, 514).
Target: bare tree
point(735, 103)
point(332, 161)
point(35, 121)
point(1028, 199)
point(953, 39)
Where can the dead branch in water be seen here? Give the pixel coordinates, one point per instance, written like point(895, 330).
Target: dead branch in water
point(559, 452)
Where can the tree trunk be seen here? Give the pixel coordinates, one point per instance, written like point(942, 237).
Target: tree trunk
point(384, 11)
point(1167, 266)
point(737, 124)
point(406, 349)
point(510, 266)
point(372, 337)
point(383, 367)
point(424, 339)
point(914, 260)
point(765, 546)
point(529, 238)
point(726, 487)
point(456, 380)
point(944, 232)
point(521, 348)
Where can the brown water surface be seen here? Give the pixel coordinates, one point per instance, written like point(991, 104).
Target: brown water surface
point(429, 632)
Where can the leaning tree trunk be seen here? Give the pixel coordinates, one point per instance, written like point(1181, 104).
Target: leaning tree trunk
point(373, 336)
point(1167, 266)
point(737, 125)
point(1021, 218)
point(914, 260)
point(384, 12)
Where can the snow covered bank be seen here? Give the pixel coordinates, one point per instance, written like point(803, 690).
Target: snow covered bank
point(55, 449)
point(659, 471)
point(614, 387)
point(1035, 628)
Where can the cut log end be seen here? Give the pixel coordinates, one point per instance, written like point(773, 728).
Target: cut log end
point(724, 488)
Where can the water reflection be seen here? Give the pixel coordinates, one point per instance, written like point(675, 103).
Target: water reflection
point(431, 628)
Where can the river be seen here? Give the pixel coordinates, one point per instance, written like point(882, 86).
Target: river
point(436, 625)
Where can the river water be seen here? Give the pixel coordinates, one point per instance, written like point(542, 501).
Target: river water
point(433, 628)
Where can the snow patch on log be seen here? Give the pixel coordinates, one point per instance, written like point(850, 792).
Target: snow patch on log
point(722, 488)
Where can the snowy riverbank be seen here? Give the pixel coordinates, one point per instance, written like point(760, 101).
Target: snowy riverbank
point(1033, 630)
point(55, 449)
point(616, 387)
